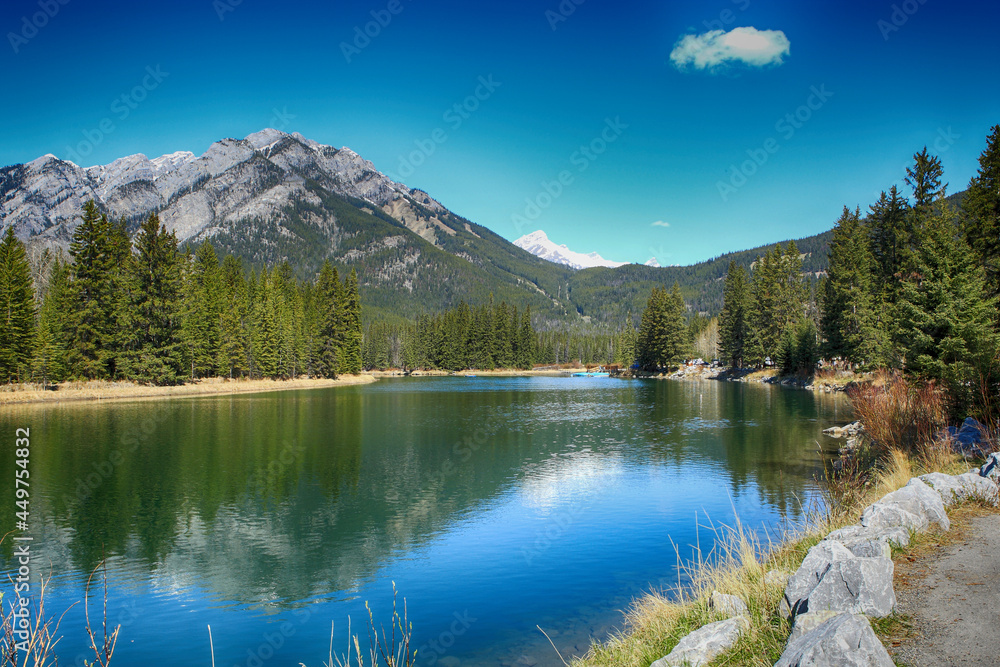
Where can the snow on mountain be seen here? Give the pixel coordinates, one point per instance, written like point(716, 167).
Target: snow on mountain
point(652, 262)
point(234, 180)
point(538, 244)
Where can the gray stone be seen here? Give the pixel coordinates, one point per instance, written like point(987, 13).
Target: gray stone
point(959, 488)
point(918, 498)
point(846, 640)
point(991, 469)
point(808, 622)
point(882, 517)
point(701, 646)
point(870, 543)
point(832, 578)
point(728, 605)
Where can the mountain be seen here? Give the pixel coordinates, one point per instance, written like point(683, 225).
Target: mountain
point(539, 245)
point(652, 262)
point(274, 196)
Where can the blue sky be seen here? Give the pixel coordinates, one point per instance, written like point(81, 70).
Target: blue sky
point(572, 118)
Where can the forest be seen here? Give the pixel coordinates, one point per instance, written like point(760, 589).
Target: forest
point(141, 310)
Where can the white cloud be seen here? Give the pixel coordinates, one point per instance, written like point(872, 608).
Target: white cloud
point(752, 47)
point(660, 223)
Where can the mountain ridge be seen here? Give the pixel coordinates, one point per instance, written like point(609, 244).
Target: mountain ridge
point(275, 196)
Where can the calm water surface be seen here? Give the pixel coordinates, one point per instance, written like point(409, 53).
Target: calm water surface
point(494, 504)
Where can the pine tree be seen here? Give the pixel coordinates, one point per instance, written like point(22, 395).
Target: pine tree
point(50, 361)
point(154, 354)
point(662, 333)
point(733, 325)
point(945, 318)
point(982, 209)
point(849, 323)
point(925, 179)
point(266, 328)
point(350, 361)
point(329, 310)
point(233, 319)
point(888, 234)
point(202, 312)
point(93, 325)
point(17, 307)
point(527, 341)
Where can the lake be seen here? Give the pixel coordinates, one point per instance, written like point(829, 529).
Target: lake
point(494, 504)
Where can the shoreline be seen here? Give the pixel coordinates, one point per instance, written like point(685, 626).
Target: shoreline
point(100, 390)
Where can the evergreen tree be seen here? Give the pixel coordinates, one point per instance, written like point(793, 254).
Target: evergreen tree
point(154, 352)
point(17, 307)
point(733, 325)
point(627, 339)
point(889, 236)
point(50, 363)
point(234, 320)
point(662, 333)
point(849, 322)
point(982, 210)
point(350, 361)
point(925, 179)
point(201, 331)
point(329, 304)
point(266, 328)
point(945, 318)
point(527, 341)
point(93, 325)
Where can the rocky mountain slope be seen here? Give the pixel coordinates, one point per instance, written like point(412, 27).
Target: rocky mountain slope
point(274, 196)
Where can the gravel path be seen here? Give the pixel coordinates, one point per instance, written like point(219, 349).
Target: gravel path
point(953, 598)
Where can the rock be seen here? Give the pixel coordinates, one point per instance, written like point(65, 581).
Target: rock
point(832, 578)
point(843, 431)
point(728, 605)
point(958, 488)
point(808, 622)
point(918, 498)
point(881, 517)
point(869, 543)
point(777, 578)
point(701, 646)
point(846, 640)
point(991, 469)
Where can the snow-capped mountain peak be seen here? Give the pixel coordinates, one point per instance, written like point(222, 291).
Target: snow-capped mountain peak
point(538, 244)
point(652, 262)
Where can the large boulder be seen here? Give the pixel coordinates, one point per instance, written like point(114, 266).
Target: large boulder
point(701, 646)
point(918, 498)
point(870, 543)
point(845, 640)
point(882, 517)
point(831, 578)
point(959, 488)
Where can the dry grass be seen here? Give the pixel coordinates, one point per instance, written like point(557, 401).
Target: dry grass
point(900, 415)
point(737, 565)
point(101, 390)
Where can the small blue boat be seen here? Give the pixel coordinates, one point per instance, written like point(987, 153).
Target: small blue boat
point(593, 374)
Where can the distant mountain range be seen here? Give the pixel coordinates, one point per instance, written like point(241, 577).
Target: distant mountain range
point(274, 196)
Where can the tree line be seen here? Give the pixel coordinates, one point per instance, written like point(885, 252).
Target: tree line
point(481, 337)
point(912, 285)
point(142, 310)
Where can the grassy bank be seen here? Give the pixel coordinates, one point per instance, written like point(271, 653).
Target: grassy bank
point(100, 390)
point(739, 564)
